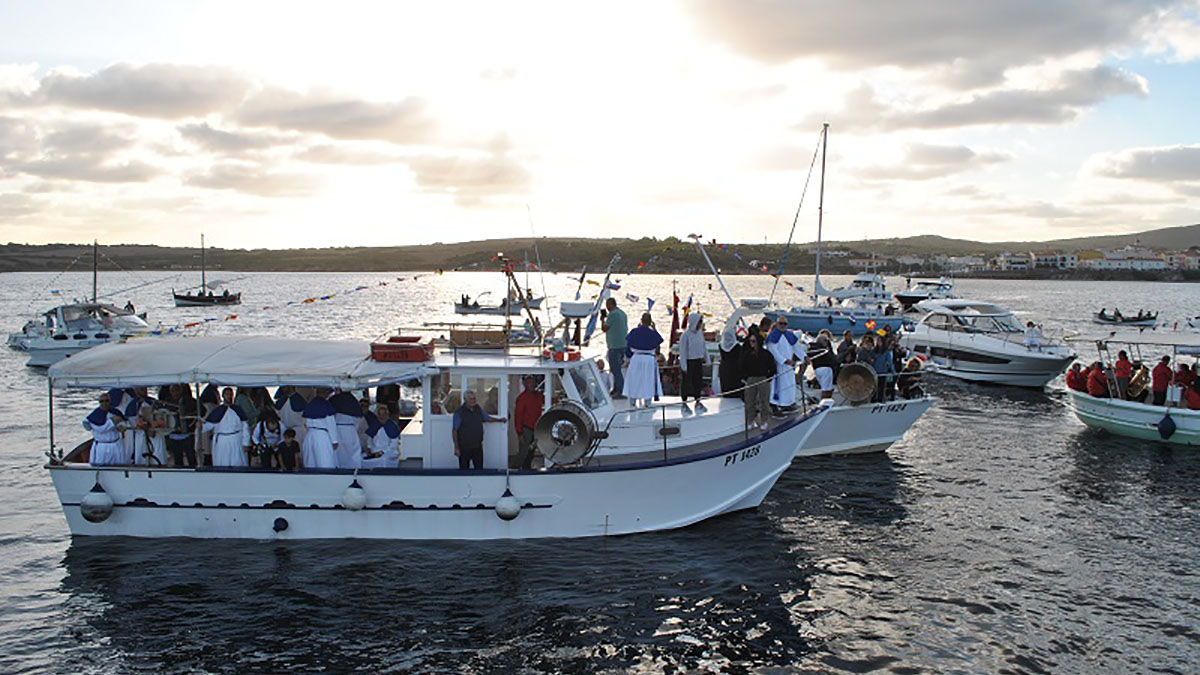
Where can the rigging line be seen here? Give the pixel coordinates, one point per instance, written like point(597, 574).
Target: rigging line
point(541, 273)
point(148, 283)
point(796, 219)
point(58, 276)
point(118, 266)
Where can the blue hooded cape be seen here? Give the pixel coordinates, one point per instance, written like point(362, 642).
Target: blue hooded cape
point(389, 427)
point(643, 338)
point(318, 408)
point(777, 334)
point(218, 413)
point(210, 395)
point(344, 403)
point(296, 402)
point(99, 416)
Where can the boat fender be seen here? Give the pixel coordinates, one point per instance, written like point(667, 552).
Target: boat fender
point(355, 497)
point(508, 507)
point(96, 506)
point(280, 524)
point(79, 336)
point(1166, 427)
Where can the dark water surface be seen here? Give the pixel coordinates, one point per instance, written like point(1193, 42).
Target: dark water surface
point(999, 536)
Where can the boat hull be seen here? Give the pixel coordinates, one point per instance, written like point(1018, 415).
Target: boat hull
point(44, 353)
point(836, 321)
point(1135, 420)
point(205, 301)
point(870, 427)
point(245, 504)
point(968, 358)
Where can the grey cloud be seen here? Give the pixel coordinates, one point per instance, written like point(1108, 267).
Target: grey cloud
point(852, 34)
point(1167, 164)
point(233, 142)
point(343, 154)
point(253, 179)
point(163, 90)
point(17, 138)
point(14, 205)
point(89, 168)
point(338, 117)
point(923, 162)
point(88, 139)
point(471, 179)
point(1074, 91)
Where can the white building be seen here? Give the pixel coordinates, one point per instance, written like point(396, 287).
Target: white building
point(867, 264)
point(1056, 260)
point(910, 260)
point(1107, 263)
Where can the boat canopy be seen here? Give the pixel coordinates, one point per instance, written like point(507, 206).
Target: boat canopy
point(1184, 342)
point(233, 361)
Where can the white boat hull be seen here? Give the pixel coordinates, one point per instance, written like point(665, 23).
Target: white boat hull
point(44, 352)
point(870, 427)
point(245, 504)
point(985, 359)
point(1135, 420)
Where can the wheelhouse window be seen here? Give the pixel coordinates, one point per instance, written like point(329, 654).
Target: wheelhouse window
point(487, 392)
point(591, 393)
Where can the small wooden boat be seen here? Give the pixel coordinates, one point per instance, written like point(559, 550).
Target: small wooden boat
point(1138, 321)
point(204, 297)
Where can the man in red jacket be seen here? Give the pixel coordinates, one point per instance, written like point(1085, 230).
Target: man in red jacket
point(1123, 371)
point(1160, 381)
point(1097, 383)
point(525, 417)
point(1076, 378)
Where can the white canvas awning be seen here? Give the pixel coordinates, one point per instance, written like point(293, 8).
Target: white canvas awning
point(234, 361)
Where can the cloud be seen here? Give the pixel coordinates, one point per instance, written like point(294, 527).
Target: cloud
point(344, 153)
point(471, 179)
point(338, 117)
point(90, 168)
point(15, 205)
point(1161, 165)
point(232, 142)
point(854, 34)
point(1074, 91)
point(923, 162)
point(253, 179)
point(162, 90)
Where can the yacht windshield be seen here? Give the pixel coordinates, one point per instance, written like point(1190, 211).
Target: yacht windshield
point(588, 385)
point(975, 323)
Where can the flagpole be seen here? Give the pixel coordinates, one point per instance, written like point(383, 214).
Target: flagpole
point(704, 254)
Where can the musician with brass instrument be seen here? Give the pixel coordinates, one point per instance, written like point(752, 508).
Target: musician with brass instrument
point(1139, 384)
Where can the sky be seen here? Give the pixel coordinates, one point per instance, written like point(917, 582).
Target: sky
point(295, 124)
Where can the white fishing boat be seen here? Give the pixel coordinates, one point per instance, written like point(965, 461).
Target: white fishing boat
point(926, 289)
point(1171, 423)
point(507, 306)
point(982, 342)
point(688, 479)
point(1139, 320)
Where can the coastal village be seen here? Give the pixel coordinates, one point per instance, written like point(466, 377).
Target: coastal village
point(1130, 257)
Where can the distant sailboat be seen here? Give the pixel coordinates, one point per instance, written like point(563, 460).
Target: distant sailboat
point(204, 297)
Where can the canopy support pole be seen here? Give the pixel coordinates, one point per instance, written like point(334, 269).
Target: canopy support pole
point(50, 391)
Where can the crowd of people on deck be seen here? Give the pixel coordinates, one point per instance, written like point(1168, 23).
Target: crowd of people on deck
point(1133, 381)
point(246, 427)
point(757, 366)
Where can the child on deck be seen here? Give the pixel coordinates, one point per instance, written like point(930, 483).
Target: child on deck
point(287, 450)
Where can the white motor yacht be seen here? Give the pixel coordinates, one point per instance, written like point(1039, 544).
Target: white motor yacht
point(926, 289)
point(982, 342)
point(673, 475)
point(69, 329)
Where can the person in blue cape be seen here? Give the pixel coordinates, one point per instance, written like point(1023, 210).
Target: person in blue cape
point(103, 422)
point(383, 435)
point(789, 351)
point(642, 381)
point(230, 432)
point(290, 404)
point(321, 433)
point(347, 412)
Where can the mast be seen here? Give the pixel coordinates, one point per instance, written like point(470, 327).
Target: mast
point(203, 274)
point(820, 213)
point(95, 264)
point(700, 245)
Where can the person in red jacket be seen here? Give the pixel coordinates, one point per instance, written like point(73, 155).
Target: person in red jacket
point(1097, 382)
point(525, 417)
point(1191, 396)
point(1160, 380)
point(1076, 378)
point(1183, 376)
point(1122, 371)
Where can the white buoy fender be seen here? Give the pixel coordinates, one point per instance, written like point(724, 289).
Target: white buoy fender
point(508, 506)
point(355, 497)
point(96, 506)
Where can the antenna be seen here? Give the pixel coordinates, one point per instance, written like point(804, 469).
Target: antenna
point(95, 265)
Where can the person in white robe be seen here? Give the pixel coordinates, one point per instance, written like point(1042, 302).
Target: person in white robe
point(290, 404)
point(149, 437)
point(107, 447)
point(347, 412)
point(126, 405)
point(642, 381)
point(383, 436)
point(210, 398)
point(319, 450)
point(788, 351)
point(231, 433)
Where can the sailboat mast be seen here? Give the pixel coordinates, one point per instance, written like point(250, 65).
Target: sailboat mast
point(203, 274)
point(95, 264)
point(821, 211)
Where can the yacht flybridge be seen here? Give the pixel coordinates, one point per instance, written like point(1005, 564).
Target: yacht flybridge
point(982, 342)
point(926, 289)
point(675, 472)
